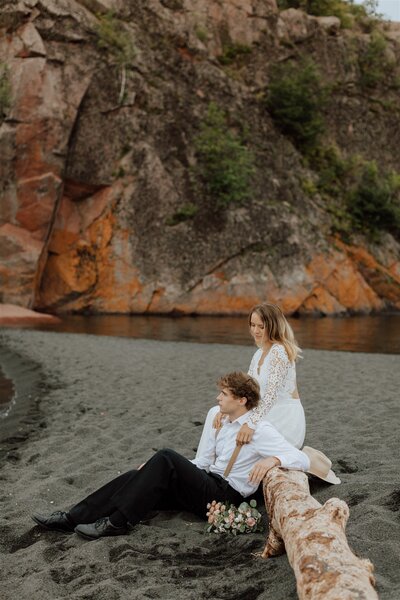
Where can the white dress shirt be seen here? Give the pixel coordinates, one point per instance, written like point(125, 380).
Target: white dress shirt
point(266, 441)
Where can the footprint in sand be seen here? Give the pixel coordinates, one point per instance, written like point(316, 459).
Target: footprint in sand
point(29, 538)
point(356, 499)
point(67, 574)
point(347, 466)
point(392, 502)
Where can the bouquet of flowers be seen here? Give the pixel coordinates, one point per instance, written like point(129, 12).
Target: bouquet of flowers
point(226, 518)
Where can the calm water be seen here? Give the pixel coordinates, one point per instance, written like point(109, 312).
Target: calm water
point(356, 334)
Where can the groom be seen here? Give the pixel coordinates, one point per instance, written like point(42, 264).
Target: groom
point(168, 481)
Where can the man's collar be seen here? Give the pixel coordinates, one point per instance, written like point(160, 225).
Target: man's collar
point(242, 419)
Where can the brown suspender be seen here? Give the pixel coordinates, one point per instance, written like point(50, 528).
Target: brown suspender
point(232, 459)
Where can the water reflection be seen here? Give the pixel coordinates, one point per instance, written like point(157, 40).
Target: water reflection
point(357, 334)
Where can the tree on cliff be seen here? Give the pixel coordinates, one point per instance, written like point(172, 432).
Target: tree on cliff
point(296, 100)
point(224, 163)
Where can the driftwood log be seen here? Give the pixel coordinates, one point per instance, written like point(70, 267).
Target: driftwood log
point(314, 539)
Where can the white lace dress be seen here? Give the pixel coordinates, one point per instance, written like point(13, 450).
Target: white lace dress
point(280, 403)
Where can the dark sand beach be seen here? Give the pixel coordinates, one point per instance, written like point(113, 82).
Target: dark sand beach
point(90, 407)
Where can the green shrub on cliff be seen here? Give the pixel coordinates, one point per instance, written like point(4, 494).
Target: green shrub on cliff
point(359, 197)
point(232, 52)
point(113, 37)
point(374, 63)
point(184, 213)
point(333, 170)
point(224, 163)
point(374, 202)
point(296, 100)
point(5, 92)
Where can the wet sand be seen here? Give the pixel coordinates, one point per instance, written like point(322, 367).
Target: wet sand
point(104, 405)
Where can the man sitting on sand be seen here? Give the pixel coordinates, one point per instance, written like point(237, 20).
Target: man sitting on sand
point(168, 481)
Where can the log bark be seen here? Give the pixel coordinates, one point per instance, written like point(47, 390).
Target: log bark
point(315, 540)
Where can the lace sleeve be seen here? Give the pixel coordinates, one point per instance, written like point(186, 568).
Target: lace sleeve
point(277, 371)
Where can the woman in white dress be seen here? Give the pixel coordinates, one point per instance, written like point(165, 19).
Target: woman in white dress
point(273, 366)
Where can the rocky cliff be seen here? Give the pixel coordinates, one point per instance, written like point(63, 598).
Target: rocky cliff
point(99, 211)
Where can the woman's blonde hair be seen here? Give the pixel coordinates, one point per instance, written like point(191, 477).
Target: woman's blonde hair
point(277, 329)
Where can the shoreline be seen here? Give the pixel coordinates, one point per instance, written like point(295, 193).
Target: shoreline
point(7, 393)
point(109, 403)
point(11, 314)
point(22, 417)
point(15, 315)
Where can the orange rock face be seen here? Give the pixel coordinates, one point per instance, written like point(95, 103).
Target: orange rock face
point(383, 280)
point(342, 285)
point(90, 273)
point(32, 141)
point(351, 279)
point(87, 267)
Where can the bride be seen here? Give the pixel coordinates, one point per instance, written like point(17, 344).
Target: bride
point(274, 367)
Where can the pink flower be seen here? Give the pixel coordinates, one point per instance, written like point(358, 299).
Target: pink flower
point(250, 521)
point(208, 505)
point(213, 503)
point(211, 519)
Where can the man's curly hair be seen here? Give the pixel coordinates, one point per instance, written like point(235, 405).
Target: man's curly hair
point(241, 385)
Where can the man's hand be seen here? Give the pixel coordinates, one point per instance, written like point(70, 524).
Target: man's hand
point(217, 423)
point(261, 468)
point(245, 434)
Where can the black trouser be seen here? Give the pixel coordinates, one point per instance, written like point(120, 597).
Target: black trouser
point(168, 481)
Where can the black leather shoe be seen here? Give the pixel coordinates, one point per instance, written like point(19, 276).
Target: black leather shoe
point(57, 521)
point(101, 528)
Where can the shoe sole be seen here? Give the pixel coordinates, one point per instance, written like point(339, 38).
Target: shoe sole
point(93, 539)
point(87, 537)
point(38, 522)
